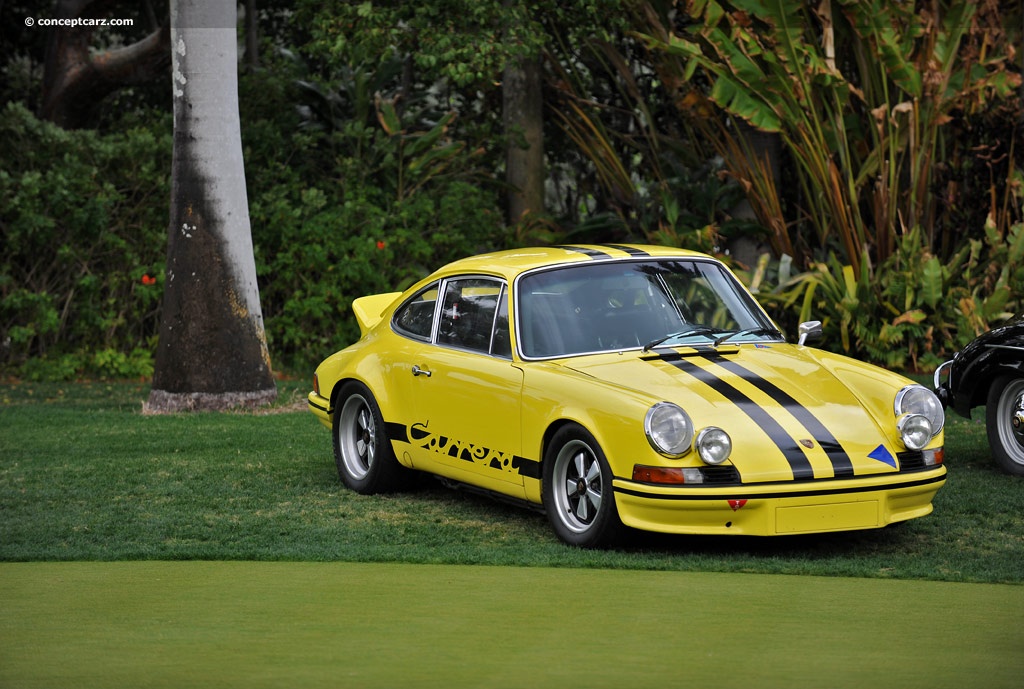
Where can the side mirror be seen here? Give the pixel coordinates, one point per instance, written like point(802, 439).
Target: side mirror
point(810, 331)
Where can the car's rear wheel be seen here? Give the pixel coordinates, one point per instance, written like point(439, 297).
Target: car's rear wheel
point(366, 461)
point(1004, 420)
point(577, 489)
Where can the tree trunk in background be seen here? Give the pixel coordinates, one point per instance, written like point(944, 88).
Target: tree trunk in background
point(212, 352)
point(522, 90)
point(252, 36)
point(76, 79)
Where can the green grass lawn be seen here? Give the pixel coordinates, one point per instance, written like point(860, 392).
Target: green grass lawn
point(85, 476)
point(254, 625)
point(294, 581)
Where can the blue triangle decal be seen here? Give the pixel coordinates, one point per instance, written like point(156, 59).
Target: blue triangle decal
point(883, 455)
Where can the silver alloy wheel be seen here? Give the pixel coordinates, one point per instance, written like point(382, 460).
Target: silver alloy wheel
point(577, 486)
point(357, 437)
point(1010, 420)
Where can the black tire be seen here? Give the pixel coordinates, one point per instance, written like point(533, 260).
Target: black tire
point(577, 490)
point(364, 456)
point(1004, 421)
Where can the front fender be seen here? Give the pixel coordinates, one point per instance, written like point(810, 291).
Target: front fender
point(613, 414)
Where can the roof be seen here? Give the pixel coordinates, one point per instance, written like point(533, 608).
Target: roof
point(511, 262)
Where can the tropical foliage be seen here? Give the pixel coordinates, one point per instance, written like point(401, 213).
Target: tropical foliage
point(856, 160)
point(863, 95)
point(883, 114)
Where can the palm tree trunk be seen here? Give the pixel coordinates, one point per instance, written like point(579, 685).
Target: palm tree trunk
point(212, 352)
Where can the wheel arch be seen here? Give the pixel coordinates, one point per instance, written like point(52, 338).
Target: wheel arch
point(550, 432)
point(978, 378)
point(611, 413)
point(369, 375)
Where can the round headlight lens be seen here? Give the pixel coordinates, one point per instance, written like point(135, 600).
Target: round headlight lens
point(714, 445)
point(915, 430)
point(917, 399)
point(669, 429)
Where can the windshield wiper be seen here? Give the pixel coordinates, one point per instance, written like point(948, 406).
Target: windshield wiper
point(748, 331)
point(699, 330)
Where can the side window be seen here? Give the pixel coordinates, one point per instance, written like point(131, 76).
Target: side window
point(416, 317)
point(467, 313)
point(501, 344)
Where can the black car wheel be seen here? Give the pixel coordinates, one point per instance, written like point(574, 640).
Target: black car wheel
point(366, 462)
point(1004, 420)
point(578, 495)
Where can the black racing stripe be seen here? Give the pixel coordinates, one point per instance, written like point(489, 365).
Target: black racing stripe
point(632, 251)
point(794, 454)
point(841, 464)
point(593, 253)
point(396, 431)
point(530, 468)
point(726, 495)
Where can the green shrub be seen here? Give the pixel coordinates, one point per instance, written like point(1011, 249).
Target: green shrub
point(336, 213)
point(371, 198)
point(320, 256)
point(911, 312)
point(82, 220)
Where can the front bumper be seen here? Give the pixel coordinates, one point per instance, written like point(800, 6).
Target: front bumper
point(780, 508)
point(321, 408)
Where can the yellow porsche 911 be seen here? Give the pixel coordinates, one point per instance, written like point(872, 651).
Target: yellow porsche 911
point(624, 386)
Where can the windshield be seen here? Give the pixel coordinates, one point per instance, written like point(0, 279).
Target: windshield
point(601, 307)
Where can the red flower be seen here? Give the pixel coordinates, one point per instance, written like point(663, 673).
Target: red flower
point(380, 244)
point(148, 280)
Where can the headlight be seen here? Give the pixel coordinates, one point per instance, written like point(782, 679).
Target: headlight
point(919, 400)
point(915, 430)
point(714, 445)
point(669, 430)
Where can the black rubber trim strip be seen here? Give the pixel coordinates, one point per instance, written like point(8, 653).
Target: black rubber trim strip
point(739, 495)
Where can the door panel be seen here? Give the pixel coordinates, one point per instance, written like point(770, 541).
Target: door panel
point(468, 416)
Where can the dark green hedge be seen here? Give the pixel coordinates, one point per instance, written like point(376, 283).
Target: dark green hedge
point(83, 225)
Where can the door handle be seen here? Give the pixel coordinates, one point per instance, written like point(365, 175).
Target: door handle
point(417, 371)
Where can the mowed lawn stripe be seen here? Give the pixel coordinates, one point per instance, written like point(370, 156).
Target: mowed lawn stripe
point(304, 624)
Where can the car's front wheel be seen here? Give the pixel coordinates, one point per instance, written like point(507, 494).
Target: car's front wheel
point(1004, 420)
point(578, 490)
point(366, 461)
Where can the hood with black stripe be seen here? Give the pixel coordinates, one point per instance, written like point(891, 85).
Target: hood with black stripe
point(792, 413)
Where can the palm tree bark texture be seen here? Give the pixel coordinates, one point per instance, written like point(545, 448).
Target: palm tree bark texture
point(212, 351)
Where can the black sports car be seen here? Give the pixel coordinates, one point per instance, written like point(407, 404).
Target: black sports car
point(990, 371)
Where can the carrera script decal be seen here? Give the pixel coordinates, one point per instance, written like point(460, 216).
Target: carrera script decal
point(483, 457)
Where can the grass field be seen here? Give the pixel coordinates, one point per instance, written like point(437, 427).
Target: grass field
point(234, 558)
point(255, 625)
point(85, 476)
